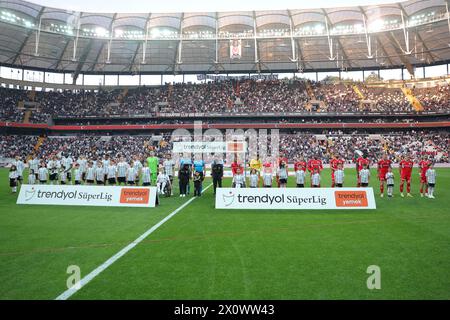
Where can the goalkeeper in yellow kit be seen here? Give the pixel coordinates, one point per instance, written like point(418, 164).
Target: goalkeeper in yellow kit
point(257, 165)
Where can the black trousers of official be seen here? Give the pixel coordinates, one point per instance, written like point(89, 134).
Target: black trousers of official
point(217, 182)
point(183, 186)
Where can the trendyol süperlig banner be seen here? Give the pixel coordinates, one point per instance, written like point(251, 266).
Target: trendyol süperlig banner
point(82, 195)
point(295, 198)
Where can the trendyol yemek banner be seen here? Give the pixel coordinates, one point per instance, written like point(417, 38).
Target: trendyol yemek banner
point(82, 195)
point(295, 198)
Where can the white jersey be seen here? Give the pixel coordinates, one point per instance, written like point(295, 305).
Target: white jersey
point(254, 180)
point(67, 163)
point(53, 166)
point(20, 166)
point(162, 178)
point(364, 175)
point(131, 174)
point(13, 174)
point(33, 164)
point(267, 179)
point(105, 164)
point(315, 178)
point(168, 166)
point(282, 173)
point(83, 165)
point(42, 174)
point(431, 176)
point(90, 173)
point(146, 175)
point(137, 165)
point(339, 176)
point(390, 178)
point(78, 174)
point(31, 179)
point(112, 170)
point(239, 180)
point(300, 176)
point(99, 174)
point(122, 168)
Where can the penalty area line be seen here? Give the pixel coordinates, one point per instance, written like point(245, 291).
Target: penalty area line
point(84, 281)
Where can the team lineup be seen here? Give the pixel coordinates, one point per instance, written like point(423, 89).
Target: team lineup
point(153, 171)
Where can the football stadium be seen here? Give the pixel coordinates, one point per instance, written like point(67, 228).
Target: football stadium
point(224, 151)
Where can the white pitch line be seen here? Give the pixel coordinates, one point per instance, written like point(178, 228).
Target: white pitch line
point(69, 292)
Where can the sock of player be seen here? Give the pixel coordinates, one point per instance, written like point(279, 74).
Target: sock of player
point(382, 188)
point(408, 187)
point(401, 187)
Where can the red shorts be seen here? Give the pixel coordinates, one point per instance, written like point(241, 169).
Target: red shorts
point(423, 179)
point(406, 177)
point(382, 176)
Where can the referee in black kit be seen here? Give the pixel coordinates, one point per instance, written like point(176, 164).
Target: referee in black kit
point(217, 172)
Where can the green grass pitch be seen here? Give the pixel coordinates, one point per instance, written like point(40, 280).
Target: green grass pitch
point(203, 253)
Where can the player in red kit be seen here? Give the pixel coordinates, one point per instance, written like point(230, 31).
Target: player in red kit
point(405, 167)
point(334, 164)
point(236, 165)
point(313, 164)
point(424, 164)
point(383, 166)
point(360, 163)
point(300, 164)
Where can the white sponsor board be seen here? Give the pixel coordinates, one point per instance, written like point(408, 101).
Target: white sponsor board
point(295, 198)
point(81, 195)
point(209, 147)
point(199, 147)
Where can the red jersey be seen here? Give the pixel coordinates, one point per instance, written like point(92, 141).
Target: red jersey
point(361, 162)
point(300, 165)
point(424, 165)
point(235, 166)
point(406, 168)
point(267, 164)
point(313, 164)
point(284, 159)
point(384, 165)
point(334, 164)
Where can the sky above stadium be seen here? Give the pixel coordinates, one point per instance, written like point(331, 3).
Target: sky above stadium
point(136, 6)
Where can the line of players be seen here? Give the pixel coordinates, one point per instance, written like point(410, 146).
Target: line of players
point(314, 166)
point(107, 171)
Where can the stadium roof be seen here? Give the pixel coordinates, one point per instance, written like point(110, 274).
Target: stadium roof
point(409, 33)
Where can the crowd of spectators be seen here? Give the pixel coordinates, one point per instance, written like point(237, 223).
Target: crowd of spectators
point(416, 143)
point(271, 96)
point(434, 99)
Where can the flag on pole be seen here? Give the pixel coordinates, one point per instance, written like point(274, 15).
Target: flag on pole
point(235, 49)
